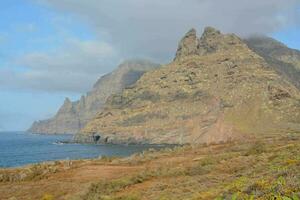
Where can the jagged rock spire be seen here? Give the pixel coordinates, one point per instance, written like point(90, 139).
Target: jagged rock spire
point(67, 106)
point(188, 44)
point(211, 41)
point(67, 100)
point(210, 31)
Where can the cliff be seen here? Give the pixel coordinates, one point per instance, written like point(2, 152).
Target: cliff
point(73, 116)
point(217, 89)
point(284, 60)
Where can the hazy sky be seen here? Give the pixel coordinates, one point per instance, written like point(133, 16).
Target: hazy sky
point(50, 49)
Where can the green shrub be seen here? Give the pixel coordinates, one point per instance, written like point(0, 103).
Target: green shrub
point(48, 197)
point(255, 149)
point(99, 190)
point(208, 161)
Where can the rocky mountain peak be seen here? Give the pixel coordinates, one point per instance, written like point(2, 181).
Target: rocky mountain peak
point(212, 40)
point(67, 106)
point(210, 31)
point(82, 98)
point(192, 33)
point(188, 45)
point(67, 101)
point(72, 116)
point(216, 90)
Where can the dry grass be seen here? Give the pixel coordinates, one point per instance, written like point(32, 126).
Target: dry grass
point(265, 169)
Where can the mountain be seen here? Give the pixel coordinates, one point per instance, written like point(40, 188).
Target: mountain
point(284, 60)
point(216, 89)
point(73, 116)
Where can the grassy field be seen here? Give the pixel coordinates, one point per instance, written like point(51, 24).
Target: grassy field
point(265, 168)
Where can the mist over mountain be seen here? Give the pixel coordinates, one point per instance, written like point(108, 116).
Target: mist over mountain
point(73, 116)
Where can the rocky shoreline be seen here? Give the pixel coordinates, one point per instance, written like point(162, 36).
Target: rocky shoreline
point(187, 172)
point(104, 139)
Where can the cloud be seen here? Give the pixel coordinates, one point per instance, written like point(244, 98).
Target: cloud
point(72, 68)
point(153, 28)
point(134, 29)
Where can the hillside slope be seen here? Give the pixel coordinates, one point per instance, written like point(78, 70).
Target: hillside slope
point(73, 116)
point(219, 172)
point(284, 60)
point(216, 89)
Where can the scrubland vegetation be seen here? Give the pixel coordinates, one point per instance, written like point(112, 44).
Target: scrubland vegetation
point(265, 168)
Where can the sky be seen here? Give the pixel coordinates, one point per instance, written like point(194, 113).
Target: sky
point(52, 49)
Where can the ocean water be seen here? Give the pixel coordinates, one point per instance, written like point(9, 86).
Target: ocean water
point(20, 148)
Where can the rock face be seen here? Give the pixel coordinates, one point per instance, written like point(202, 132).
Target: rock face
point(188, 45)
point(210, 41)
point(216, 89)
point(284, 60)
point(268, 46)
point(73, 116)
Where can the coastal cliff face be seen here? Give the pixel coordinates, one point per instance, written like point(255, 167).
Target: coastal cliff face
point(73, 116)
point(217, 89)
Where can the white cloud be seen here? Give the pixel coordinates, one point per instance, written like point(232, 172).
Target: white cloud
point(74, 67)
point(137, 28)
point(81, 56)
point(153, 27)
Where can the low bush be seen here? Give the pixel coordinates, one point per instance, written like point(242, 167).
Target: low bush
point(48, 197)
point(255, 149)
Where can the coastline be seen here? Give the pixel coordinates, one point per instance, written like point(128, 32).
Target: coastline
point(20, 149)
point(218, 167)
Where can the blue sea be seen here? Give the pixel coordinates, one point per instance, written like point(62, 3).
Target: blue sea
point(20, 148)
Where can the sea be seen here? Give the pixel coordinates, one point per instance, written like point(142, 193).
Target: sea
point(22, 148)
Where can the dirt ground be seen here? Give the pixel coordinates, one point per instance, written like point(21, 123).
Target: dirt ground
point(202, 172)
